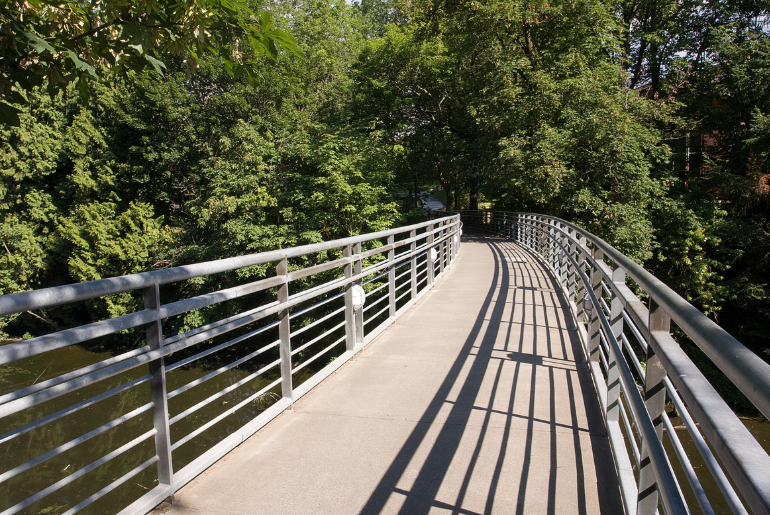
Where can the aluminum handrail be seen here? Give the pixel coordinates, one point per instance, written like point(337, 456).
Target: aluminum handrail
point(324, 330)
point(58, 295)
point(570, 250)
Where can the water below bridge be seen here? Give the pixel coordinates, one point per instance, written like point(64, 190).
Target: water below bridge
point(475, 401)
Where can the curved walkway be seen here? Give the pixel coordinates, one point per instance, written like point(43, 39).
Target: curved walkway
point(475, 401)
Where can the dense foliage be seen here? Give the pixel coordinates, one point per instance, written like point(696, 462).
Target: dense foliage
point(56, 43)
point(644, 121)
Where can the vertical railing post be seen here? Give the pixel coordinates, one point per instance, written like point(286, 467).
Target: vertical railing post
point(154, 335)
point(350, 313)
point(429, 255)
point(359, 315)
point(594, 339)
point(413, 250)
point(616, 323)
point(655, 402)
point(573, 275)
point(563, 249)
point(392, 277)
point(284, 334)
point(551, 244)
point(504, 232)
point(442, 248)
point(458, 224)
point(517, 231)
point(525, 230)
point(532, 234)
point(581, 290)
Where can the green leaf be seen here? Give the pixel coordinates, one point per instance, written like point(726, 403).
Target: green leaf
point(38, 44)
point(84, 90)
point(156, 63)
point(82, 65)
point(9, 115)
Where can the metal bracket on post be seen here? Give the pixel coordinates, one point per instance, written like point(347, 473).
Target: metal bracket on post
point(392, 278)
point(154, 335)
point(429, 255)
point(284, 333)
point(655, 401)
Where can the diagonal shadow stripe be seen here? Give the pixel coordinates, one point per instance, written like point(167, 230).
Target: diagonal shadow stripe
point(423, 493)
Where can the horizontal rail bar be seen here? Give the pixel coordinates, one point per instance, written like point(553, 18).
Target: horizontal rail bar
point(214, 325)
point(74, 442)
point(80, 473)
point(58, 295)
point(689, 472)
point(221, 393)
point(217, 348)
point(34, 346)
point(319, 321)
point(736, 506)
point(306, 310)
point(374, 317)
point(225, 414)
point(309, 361)
point(370, 306)
point(72, 409)
point(208, 299)
point(321, 336)
point(375, 290)
point(629, 431)
point(317, 269)
point(221, 370)
point(70, 375)
point(112, 486)
point(378, 276)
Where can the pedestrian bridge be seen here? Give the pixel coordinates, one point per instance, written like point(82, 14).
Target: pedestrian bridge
point(512, 368)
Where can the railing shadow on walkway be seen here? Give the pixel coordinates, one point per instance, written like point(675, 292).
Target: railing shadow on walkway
point(509, 286)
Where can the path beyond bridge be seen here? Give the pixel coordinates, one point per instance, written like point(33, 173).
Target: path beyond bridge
point(477, 400)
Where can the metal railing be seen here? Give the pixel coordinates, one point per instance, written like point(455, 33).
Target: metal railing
point(318, 320)
point(618, 329)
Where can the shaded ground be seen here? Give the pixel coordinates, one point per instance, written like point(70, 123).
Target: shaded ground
point(476, 401)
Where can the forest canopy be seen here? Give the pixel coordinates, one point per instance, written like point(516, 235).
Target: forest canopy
point(644, 121)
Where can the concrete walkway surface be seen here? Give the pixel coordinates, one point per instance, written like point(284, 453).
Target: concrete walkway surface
point(477, 400)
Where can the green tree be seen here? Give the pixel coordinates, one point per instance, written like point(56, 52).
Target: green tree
point(54, 43)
